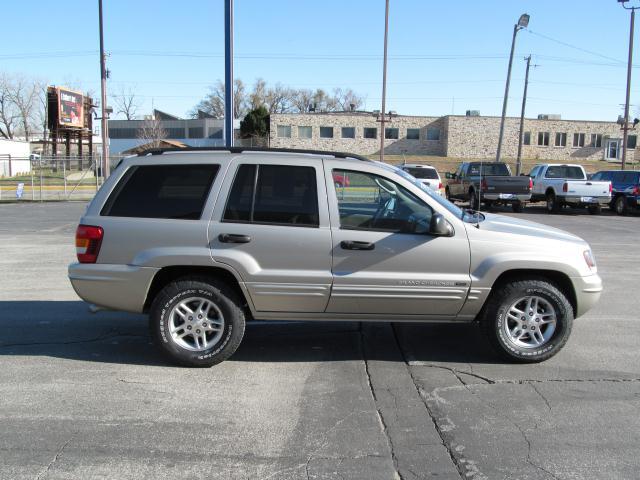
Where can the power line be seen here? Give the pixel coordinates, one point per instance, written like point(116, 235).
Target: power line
point(575, 47)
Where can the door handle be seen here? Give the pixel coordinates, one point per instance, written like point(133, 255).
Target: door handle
point(233, 238)
point(355, 245)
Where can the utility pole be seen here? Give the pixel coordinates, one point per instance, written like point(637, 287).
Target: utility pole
point(625, 124)
point(523, 22)
point(228, 73)
point(524, 104)
point(384, 81)
point(103, 101)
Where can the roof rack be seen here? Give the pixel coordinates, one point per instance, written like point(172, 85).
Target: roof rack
point(160, 151)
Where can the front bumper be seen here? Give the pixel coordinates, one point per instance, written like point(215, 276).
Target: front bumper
point(588, 290)
point(116, 287)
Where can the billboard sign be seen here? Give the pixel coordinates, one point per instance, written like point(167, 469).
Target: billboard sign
point(70, 108)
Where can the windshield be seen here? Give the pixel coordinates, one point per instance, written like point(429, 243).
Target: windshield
point(565, 171)
point(422, 173)
point(465, 215)
point(488, 169)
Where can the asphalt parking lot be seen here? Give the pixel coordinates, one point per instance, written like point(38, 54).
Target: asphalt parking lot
point(87, 396)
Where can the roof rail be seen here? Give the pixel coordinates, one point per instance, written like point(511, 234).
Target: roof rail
point(160, 151)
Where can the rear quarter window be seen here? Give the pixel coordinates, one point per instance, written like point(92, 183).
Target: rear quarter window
point(162, 191)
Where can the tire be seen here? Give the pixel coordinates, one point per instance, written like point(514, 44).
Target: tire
point(553, 206)
point(620, 205)
point(594, 209)
point(169, 309)
point(447, 194)
point(474, 201)
point(498, 320)
point(517, 207)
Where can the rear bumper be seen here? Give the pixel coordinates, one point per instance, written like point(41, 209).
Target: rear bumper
point(588, 290)
point(577, 201)
point(515, 197)
point(117, 287)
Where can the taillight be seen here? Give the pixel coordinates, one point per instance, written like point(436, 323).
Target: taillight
point(565, 187)
point(440, 186)
point(88, 241)
point(610, 187)
point(636, 190)
point(483, 184)
point(530, 183)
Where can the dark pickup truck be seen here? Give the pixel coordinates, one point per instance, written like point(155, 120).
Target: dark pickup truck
point(490, 183)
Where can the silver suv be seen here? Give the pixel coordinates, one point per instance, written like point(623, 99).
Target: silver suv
point(204, 240)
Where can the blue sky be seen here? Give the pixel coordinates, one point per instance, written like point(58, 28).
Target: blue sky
point(445, 57)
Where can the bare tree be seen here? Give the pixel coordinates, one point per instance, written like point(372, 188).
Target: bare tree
point(347, 100)
point(8, 113)
point(323, 102)
point(302, 100)
point(127, 102)
point(257, 97)
point(213, 103)
point(278, 99)
point(152, 132)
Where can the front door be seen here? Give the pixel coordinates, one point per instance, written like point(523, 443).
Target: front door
point(384, 261)
point(611, 152)
point(273, 230)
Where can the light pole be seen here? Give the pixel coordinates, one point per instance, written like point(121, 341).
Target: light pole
point(103, 100)
point(523, 22)
point(524, 105)
point(625, 125)
point(384, 80)
point(228, 73)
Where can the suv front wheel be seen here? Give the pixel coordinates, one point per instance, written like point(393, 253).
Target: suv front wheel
point(197, 322)
point(528, 321)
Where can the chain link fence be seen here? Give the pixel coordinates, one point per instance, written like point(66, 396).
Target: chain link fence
point(51, 178)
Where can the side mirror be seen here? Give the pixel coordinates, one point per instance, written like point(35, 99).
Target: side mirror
point(440, 227)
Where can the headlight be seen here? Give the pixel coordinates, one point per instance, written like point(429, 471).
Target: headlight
point(589, 258)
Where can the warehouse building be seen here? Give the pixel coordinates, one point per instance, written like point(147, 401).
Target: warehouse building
point(546, 138)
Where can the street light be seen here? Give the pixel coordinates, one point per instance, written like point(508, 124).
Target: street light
point(523, 22)
point(384, 80)
point(625, 125)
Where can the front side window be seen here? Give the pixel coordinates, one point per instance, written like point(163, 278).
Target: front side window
point(561, 139)
point(274, 194)
point(162, 191)
point(413, 134)
point(370, 132)
point(284, 131)
point(372, 202)
point(391, 133)
point(578, 139)
point(348, 132)
point(326, 132)
point(304, 132)
point(433, 133)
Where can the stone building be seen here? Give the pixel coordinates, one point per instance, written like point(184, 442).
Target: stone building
point(450, 136)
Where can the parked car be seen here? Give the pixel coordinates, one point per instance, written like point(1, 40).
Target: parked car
point(340, 180)
point(488, 182)
point(567, 185)
point(203, 240)
point(426, 174)
point(625, 189)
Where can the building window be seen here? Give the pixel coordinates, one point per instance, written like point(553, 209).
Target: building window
point(348, 132)
point(527, 138)
point(391, 133)
point(596, 140)
point(370, 132)
point(632, 141)
point(284, 131)
point(433, 133)
point(578, 139)
point(215, 132)
point(413, 134)
point(304, 132)
point(196, 132)
point(326, 132)
point(561, 139)
point(543, 139)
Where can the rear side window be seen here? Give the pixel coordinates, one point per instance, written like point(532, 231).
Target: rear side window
point(162, 191)
point(497, 169)
point(274, 194)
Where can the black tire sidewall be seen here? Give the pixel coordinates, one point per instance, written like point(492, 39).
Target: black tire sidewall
point(233, 325)
point(623, 205)
point(564, 319)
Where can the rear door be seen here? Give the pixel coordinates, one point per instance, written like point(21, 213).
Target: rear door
point(384, 261)
point(272, 228)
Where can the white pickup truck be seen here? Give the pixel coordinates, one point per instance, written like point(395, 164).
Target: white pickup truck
point(561, 185)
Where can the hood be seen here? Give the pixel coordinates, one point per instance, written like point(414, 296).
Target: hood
point(516, 226)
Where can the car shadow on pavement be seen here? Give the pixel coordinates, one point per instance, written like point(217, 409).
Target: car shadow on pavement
point(67, 330)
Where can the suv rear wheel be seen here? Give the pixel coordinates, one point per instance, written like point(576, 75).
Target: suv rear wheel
point(196, 321)
point(527, 321)
point(621, 205)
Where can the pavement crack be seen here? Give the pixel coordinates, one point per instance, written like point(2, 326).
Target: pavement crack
point(385, 430)
point(532, 385)
point(104, 336)
point(54, 460)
